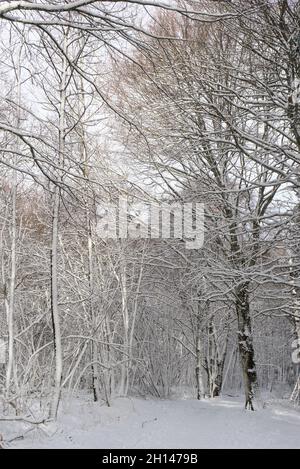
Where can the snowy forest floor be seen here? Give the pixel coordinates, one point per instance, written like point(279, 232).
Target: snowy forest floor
point(186, 423)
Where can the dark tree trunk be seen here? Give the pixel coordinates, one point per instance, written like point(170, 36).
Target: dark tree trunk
point(245, 344)
point(199, 358)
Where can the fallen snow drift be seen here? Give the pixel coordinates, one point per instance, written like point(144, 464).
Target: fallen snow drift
point(137, 423)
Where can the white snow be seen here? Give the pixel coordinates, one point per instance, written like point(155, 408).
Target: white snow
point(186, 423)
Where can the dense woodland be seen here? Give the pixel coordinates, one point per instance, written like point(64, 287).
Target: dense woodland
point(183, 102)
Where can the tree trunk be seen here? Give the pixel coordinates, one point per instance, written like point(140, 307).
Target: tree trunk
point(10, 301)
point(199, 364)
point(94, 345)
point(296, 323)
point(215, 361)
point(54, 244)
point(245, 343)
point(55, 308)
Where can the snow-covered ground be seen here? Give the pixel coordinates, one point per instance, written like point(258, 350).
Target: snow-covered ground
point(186, 423)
